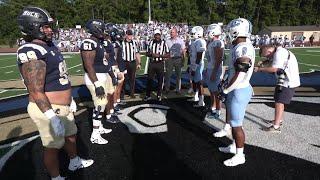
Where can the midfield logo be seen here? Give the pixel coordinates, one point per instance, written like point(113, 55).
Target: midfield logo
point(145, 118)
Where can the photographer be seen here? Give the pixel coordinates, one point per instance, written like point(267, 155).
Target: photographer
point(285, 67)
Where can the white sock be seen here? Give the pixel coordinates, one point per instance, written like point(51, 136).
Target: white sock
point(96, 123)
point(95, 131)
point(75, 160)
point(240, 151)
point(196, 94)
point(111, 111)
point(56, 178)
point(276, 126)
point(108, 116)
point(201, 98)
point(227, 126)
point(118, 100)
point(218, 112)
point(115, 104)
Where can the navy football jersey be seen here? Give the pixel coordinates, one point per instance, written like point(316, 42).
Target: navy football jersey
point(56, 70)
point(110, 50)
point(100, 61)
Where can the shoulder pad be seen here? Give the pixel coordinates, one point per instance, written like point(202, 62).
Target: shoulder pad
point(29, 52)
point(88, 45)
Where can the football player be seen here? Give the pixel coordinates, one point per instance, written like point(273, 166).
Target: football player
point(197, 50)
point(238, 89)
point(117, 81)
point(96, 76)
point(45, 75)
point(215, 51)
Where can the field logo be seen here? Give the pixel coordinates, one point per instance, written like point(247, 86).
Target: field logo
point(145, 118)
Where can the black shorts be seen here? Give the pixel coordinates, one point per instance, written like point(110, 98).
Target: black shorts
point(283, 96)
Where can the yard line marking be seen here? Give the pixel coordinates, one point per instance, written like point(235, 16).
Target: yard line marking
point(8, 72)
point(14, 96)
point(309, 64)
point(74, 66)
point(3, 91)
point(4, 59)
point(307, 54)
point(317, 51)
point(7, 66)
point(78, 70)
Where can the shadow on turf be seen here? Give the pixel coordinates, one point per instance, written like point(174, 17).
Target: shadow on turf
point(296, 107)
point(186, 151)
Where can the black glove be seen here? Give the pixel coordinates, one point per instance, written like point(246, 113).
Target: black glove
point(113, 78)
point(99, 89)
point(222, 96)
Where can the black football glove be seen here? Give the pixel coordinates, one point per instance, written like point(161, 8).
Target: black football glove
point(99, 89)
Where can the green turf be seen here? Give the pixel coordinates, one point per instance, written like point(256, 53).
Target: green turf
point(308, 58)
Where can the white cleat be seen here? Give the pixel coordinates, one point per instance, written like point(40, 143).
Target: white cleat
point(220, 133)
point(97, 139)
point(81, 163)
point(103, 130)
point(235, 160)
point(229, 149)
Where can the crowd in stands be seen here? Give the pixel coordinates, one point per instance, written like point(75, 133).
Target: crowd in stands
point(70, 38)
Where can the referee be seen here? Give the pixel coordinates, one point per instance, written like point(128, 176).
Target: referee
point(158, 51)
point(131, 57)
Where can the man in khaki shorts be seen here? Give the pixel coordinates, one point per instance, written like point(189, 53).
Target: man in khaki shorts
point(96, 76)
point(44, 71)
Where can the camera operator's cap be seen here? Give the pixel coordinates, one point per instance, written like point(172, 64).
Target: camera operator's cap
point(157, 31)
point(129, 32)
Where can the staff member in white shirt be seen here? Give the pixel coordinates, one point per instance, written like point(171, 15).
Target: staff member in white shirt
point(285, 66)
point(177, 54)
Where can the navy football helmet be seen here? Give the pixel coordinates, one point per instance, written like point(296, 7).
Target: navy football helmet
point(96, 27)
point(32, 19)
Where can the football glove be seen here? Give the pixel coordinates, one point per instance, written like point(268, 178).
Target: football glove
point(99, 89)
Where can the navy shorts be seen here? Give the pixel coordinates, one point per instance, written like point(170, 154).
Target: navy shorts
point(284, 96)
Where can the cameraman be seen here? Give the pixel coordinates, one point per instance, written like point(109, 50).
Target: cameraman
point(285, 66)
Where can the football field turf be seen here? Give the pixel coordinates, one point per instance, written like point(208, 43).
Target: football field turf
point(308, 58)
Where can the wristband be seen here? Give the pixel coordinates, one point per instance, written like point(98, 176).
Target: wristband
point(50, 114)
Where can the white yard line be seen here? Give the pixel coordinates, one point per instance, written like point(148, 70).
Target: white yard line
point(8, 72)
point(4, 59)
point(7, 66)
point(13, 96)
point(3, 91)
point(307, 54)
point(309, 64)
point(74, 66)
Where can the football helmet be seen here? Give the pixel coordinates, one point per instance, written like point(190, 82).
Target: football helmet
point(214, 30)
point(96, 27)
point(239, 28)
point(197, 32)
point(32, 19)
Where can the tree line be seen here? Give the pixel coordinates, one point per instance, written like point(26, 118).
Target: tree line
point(194, 12)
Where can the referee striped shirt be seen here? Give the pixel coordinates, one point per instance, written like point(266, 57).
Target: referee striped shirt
point(129, 50)
point(158, 48)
